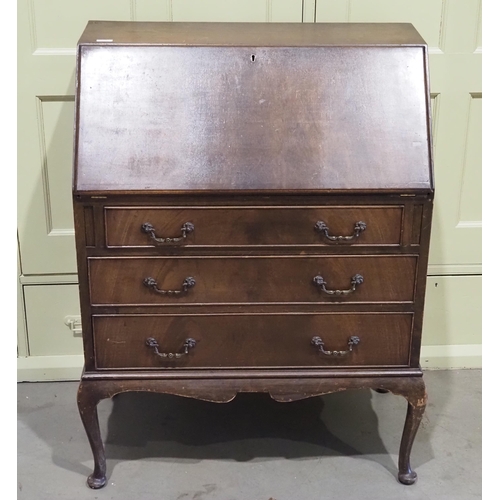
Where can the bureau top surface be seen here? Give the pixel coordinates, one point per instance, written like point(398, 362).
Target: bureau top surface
point(250, 34)
point(232, 107)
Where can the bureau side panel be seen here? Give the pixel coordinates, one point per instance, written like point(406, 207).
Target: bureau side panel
point(421, 228)
point(85, 237)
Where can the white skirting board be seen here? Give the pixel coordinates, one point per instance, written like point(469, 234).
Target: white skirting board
point(451, 356)
point(47, 368)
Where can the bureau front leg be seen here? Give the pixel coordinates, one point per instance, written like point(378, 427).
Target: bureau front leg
point(417, 399)
point(88, 398)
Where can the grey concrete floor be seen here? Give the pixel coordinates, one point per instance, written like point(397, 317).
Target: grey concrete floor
point(341, 446)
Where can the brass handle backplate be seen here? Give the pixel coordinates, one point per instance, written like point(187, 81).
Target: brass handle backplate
point(189, 343)
point(356, 280)
point(321, 227)
point(149, 229)
point(151, 283)
point(320, 345)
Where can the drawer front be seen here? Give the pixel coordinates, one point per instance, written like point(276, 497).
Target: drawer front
point(237, 341)
point(256, 226)
point(231, 280)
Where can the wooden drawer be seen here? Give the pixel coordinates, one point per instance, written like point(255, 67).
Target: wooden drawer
point(255, 226)
point(232, 280)
point(238, 341)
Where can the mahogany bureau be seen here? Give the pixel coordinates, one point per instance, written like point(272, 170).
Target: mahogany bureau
point(252, 211)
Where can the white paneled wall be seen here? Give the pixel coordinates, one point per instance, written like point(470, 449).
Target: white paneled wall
point(48, 31)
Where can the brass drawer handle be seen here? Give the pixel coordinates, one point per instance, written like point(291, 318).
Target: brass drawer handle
point(319, 281)
point(321, 227)
point(189, 343)
point(319, 344)
point(151, 283)
point(149, 229)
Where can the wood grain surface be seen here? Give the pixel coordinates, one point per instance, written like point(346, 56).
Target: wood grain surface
point(255, 226)
point(265, 280)
point(246, 341)
point(202, 119)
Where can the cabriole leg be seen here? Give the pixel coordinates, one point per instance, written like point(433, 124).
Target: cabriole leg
point(87, 405)
point(417, 400)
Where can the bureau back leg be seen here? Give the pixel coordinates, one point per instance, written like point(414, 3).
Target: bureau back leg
point(87, 400)
point(417, 399)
